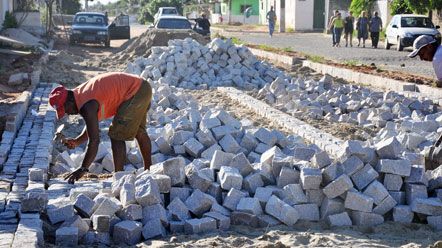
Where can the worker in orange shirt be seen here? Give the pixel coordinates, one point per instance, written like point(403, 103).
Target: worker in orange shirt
point(120, 95)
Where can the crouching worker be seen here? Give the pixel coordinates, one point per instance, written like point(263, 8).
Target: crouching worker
point(123, 96)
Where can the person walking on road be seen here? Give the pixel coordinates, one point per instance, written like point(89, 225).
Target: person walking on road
point(338, 26)
point(271, 18)
point(362, 27)
point(429, 49)
point(331, 27)
point(375, 29)
point(348, 29)
point(120, 95)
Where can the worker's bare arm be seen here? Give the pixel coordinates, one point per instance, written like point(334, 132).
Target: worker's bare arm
point(89, 113)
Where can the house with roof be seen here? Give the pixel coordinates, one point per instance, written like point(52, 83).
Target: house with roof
point(232, 11)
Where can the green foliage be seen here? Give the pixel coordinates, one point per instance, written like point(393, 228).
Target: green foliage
point(70, 7)
point(419, 6)
point(357, 6)
point(10, 21)
point(400, 7)
point(149, 8)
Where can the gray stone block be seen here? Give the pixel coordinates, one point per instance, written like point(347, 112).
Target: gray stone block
point(222, 222)
point(399, 167)
point(164, 182)
point(294, 194)
point(331, 172)
point(216, 191)
point(266, 137)
point(205, 137)
point(435, 178)
point(230, 178)
point(127, 194)
point(176, 227)
point(232, 199)
point(417, 176)
point(198, 203)
point(220, 159)
point(131, 212)
point(393, 182)
point(66, 237)
point(196, 179)
point(244, 219)
point(288, 176)
point(338, 187)
point(84, 205)
point(252, 182)
point(352, 165)
point(241, 163)
point(308, 212)
point(403, 214)
point(209, 152)
point(266, 221)
point(358, 201)
point(127, 232)
point(107, 207)
point(62, 211)
point(198, 226)
point(366, 219)
point(385, 205)
point(147, 191)
point(388, 149)
point(435, 222)
point(341, 219)
point(303, 153)
point(321, 160)
point(311, 178)
point(153, 229)
point(178, 210)
point(88, 191)
point(75, 221)
point(229, 144)
point(34, 202)
point(156, 211)
point(364, 176)
point(398, 196)
point(182, 193)
point(175, 169)
point(193, 147)
point(220, 209)
point(415, 191)
point(101, 223)
point(430, 206)
point(263, 195)
point(281, 211)
point(249, 205)
point(377, 191)
point(315, 196)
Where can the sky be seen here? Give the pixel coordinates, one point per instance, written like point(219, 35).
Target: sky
point(101, 1)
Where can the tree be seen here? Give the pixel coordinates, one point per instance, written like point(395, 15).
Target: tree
point(149, 9)
point(69, 7)
point(424, 6)
point(357, 6)
point(400, 7)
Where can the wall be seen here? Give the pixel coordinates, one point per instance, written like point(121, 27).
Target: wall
point(237, 16)
point(32, 23)
point(383, 8)
point(236, 6)
point(303, 15)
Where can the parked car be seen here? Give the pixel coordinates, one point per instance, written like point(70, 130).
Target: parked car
point(172, 22)
point(165, 11)
point(92, 27)
point(404, 29)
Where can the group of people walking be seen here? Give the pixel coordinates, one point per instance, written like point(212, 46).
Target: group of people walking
point(363, 26)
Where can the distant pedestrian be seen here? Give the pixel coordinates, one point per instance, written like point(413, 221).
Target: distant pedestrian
point(348, 29)
point(375, 29)
point(271, 18)
point(330, 25)
point(362, 27)
point(338, 26)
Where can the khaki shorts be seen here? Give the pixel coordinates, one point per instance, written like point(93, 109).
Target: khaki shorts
point(131, 115)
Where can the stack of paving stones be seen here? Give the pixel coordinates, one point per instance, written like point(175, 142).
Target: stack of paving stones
point(211, 171)
point(24, 172)
point(188, 64)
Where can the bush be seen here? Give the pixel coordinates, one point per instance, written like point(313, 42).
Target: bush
point(10, 21)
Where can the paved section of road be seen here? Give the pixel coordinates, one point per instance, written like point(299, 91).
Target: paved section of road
point(320, 45)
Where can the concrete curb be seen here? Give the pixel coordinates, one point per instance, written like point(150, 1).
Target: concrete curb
point(278, 58)
point(382, 83)
point(325, 141)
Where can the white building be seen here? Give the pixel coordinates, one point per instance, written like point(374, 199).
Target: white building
point(5, 5)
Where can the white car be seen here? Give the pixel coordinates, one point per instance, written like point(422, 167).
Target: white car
point(404, 29)
point(172, 22)
point(166, 11)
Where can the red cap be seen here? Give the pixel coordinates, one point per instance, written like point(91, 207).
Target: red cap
point(57, 98)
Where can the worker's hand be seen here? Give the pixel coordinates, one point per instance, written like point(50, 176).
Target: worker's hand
point(70, 143)
point(77, 174)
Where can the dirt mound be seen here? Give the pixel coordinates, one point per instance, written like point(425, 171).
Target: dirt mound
point(154, 37)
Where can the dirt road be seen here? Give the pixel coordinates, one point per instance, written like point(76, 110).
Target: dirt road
point(72, 65)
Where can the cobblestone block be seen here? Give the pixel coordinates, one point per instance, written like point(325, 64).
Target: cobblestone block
point(244, 219)
point(131, 212)
point(60, 211)
point(417, 176)
point(294, 194)
point(178, 210)
point(198, 203)
point(352, 165)
point(399, 167)
point(147, 191)
point(388, 148)
point(232, 199)
point(364, 176)
point(34, 202)
point(308, 212)
point(156, 211)
point(393, 182)
point(176, 226)
point(196, 179)
point(101, 223)
point(403, 214)
point(84, 205)
point(198, 226)
point(341, 219)
point(164, 182)
point(287, 176)
point(311, 178)
point(252, 182)
point(398, 196)
point(321, 160)
point(338, 187)
point(263, 195)
point(107, 207)
point(281, 211)
point(78, 222)
point(175, 169)
point(222, 222)
point(66, 237)
point(153, 229)
point(331, 172)
point(366, 219)
point(36, 175)
point(358, 201)
point(315, 196)
point(249, 205)
point(430, 206)
point(181, 193)
point(435, 222)
point(377, 191)
point(193, 147)
point(127, 232)
point(241, 163)
point(266, 221)
point(230, 178)
point(415, 191)
point(229, 144)
point(266, 137)
point(127, 194)
point(219, 209)
point(385, 205)
point(220, 159)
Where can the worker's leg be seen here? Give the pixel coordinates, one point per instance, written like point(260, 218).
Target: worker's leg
point(119, 153)
point(145, 146)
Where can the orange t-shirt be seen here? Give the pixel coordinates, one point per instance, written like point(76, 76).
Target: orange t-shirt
point(109, 90)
